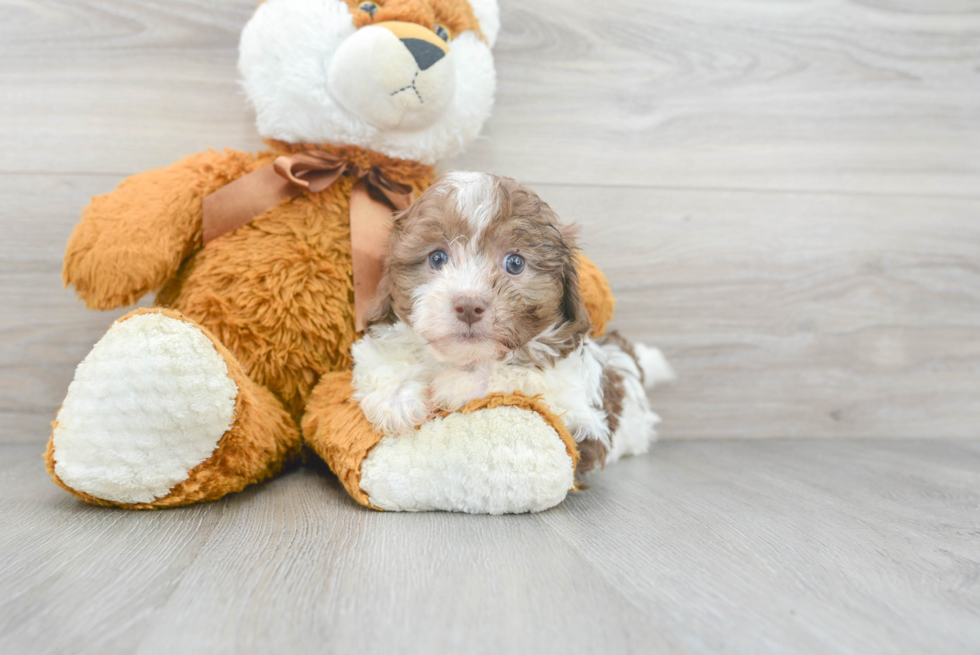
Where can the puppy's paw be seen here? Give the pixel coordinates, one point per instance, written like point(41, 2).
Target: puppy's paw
point(397, 410)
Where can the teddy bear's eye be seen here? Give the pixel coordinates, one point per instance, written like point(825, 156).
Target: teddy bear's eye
point(441, 32)
point(369, 7)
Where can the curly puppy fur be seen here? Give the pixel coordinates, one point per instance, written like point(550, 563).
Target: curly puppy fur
point(449, 330)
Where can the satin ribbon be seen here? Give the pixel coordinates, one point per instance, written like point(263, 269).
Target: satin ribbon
point(290, 176)
point(373, 198)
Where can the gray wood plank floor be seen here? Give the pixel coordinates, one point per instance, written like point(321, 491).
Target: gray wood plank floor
point(764, 546)
point(785, 198)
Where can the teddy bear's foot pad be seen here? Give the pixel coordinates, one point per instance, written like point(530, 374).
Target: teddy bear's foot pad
point(502, 460)
point(148, 404)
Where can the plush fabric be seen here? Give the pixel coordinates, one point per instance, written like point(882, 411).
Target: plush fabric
point(299, 105)
point(336, 430)
point(500, 460)
point(153, 384)
point(597, 294)
point(261, 440)
point(266, 311)
point(275, 295)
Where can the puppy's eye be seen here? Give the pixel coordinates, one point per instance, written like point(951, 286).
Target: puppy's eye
point(438, 259)
point(368, 7)
point(441, 32)
point(514, 264)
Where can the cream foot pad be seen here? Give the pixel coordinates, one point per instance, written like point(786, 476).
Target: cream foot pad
point(147, 405)
point(502, 460)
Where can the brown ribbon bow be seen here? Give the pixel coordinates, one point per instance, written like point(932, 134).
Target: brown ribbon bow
point(372, 199)
point(290, 176)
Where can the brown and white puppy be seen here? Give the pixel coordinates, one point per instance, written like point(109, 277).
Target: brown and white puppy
point(480, 294)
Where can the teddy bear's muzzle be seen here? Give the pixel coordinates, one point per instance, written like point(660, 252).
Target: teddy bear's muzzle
point(393, 75)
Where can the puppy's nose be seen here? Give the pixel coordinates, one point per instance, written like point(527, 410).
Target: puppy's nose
point(470, 310)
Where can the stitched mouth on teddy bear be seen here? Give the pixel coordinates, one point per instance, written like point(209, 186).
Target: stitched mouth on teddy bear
point(393, 75)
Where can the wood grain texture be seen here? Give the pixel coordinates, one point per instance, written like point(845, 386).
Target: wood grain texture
point(869, 96)
point(875, 96)
point(119, 86)
point(785, 198)
point(786, 314)
point(853, 547)
point(796, 314)
point(44, 331)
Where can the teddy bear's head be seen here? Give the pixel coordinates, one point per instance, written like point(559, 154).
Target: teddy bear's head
point(412, 79)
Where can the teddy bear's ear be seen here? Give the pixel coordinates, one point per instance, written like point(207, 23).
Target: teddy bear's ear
point(488, 13)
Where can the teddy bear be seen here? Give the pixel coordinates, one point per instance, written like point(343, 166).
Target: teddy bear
point(258, 262)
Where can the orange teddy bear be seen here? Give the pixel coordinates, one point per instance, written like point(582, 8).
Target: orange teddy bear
point(246, 355)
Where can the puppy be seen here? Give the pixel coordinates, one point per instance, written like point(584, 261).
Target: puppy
point(480, 294)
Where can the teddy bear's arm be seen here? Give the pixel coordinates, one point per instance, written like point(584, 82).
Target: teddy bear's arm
point(132, 240)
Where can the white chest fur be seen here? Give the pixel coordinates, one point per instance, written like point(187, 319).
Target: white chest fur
point(396, 374)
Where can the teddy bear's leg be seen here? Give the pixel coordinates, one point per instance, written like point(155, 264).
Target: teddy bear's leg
point(498, 455)
point(160, 414)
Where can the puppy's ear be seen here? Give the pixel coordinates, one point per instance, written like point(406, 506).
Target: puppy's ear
point(572, 305)
point(382, 310)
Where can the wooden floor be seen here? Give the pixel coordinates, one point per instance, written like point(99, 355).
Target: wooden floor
point(785, 197)
point(765, 546)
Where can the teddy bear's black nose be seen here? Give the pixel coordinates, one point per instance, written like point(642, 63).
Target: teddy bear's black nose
point(425, 53)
